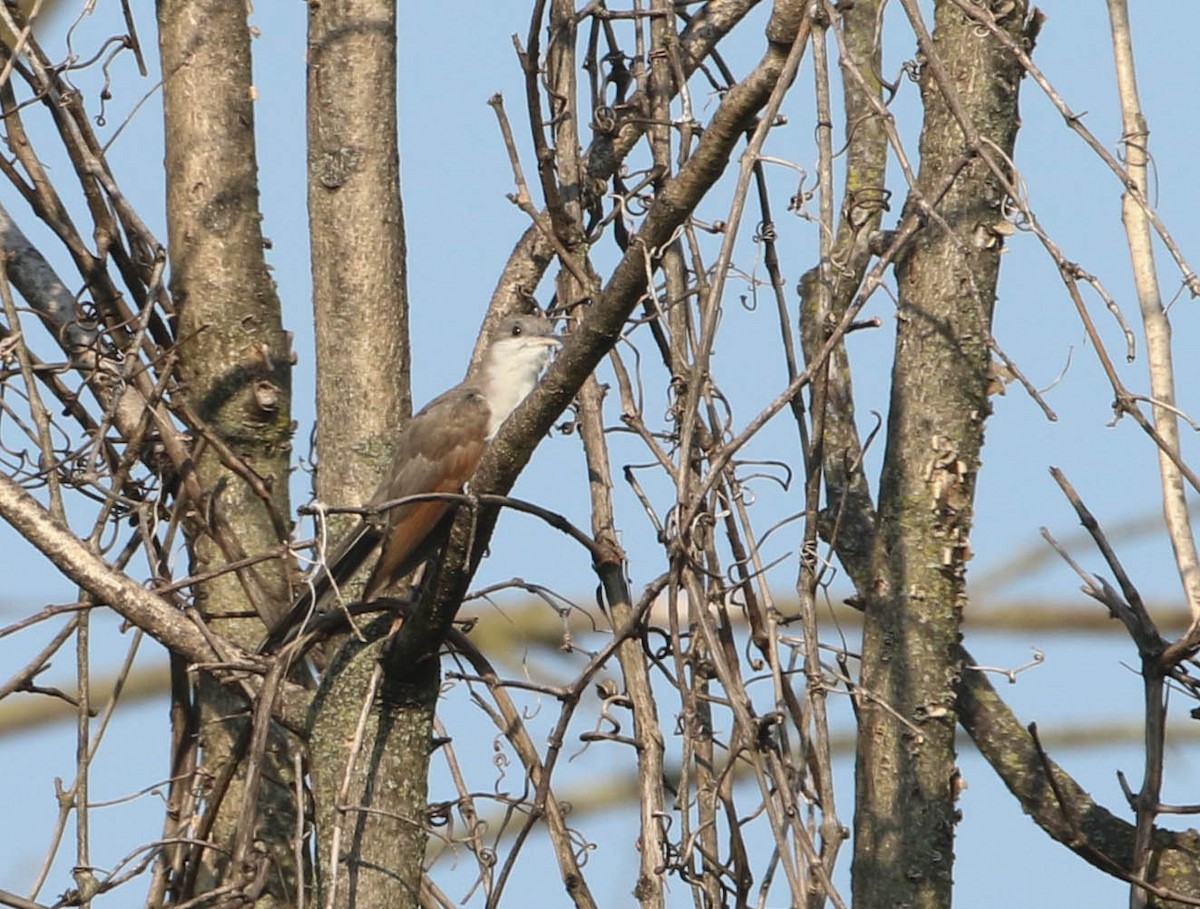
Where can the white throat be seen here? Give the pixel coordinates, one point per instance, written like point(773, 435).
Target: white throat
point(509, 374)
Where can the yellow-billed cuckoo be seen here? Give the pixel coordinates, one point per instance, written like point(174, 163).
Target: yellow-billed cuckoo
point(437, 452)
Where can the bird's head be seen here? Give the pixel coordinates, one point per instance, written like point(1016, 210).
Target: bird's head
point(518, 348)
point(521, 344)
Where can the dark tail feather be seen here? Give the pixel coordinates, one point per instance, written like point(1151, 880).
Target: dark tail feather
point(317, 598)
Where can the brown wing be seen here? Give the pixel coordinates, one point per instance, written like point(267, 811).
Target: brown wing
point(438, 451)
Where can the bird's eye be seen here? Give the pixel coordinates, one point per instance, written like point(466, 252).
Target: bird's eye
point(516, 331)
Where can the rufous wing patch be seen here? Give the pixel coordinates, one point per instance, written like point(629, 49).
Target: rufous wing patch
point(440, 450)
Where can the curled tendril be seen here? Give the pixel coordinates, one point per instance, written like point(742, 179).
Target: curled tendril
point(439, 814)
point(765, 232)
point(604, 120)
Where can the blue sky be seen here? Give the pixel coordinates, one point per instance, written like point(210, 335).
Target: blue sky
point(460, 229)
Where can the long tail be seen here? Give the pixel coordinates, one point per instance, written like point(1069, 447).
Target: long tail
point(317, 599)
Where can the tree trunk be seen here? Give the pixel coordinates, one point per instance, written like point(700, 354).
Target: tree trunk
point(369, 780)
point(906, 779)
point(235, 361)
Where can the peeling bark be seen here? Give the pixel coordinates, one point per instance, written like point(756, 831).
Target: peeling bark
point(906, 779)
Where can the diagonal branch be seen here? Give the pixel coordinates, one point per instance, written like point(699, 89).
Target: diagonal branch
point(597, 332)
point(144, 608)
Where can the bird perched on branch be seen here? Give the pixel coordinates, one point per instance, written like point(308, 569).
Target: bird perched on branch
point(437, 452)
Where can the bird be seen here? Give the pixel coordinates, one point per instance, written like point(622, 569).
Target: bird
point(437, 451)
